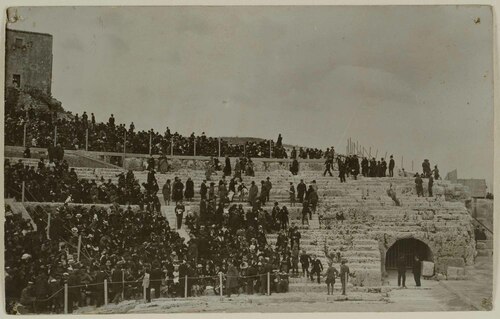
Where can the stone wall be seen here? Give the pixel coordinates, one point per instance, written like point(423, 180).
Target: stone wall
point(178, 163)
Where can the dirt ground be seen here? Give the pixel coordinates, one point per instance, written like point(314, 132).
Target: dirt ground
point(465, 295)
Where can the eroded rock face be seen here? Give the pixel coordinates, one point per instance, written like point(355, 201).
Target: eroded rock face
point(443, 225)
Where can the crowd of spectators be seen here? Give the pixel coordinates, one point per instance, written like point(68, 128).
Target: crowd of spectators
point(54, 181)
point(38, 263)
point(75, 132)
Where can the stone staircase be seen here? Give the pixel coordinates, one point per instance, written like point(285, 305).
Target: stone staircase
point(372, 220)
point(169, 213)
point(18, 208)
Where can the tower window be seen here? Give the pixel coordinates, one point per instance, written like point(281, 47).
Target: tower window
point(19, 42)
point(16, 80)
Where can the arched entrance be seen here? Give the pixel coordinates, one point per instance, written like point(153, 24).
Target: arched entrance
point(408, 247)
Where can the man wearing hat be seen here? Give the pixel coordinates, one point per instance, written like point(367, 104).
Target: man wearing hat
point(269, 186)
point(28, 297)
point(344, 275)
point(316, 268)
point(391, 167)
point(41, 289)
point(331, 273)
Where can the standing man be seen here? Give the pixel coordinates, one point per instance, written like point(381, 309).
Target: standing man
point(418, 185)
point(203, 189)
point(291, 193)
point(417, 270)
point(402, 271)
point(391, 167)
point(301, 190)
point(431, 183)
point(305, 260)
point(317, 268)
point(306, 211)
point(179, 213)
point(269, 185)
point(344, 275)
point(328, 166)
point(383, 167)
point(331, 273)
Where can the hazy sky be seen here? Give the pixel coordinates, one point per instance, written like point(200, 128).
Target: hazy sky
point(412, 81)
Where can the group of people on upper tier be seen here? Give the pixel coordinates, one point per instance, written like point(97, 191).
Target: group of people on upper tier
point(431, 175)
point(37, 128)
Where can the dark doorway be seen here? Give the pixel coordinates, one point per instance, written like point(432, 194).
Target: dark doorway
point(408, 247)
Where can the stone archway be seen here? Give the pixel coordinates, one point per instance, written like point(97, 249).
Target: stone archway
point(408, 247)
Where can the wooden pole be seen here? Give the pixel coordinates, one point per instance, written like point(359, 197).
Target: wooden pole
point(48, 226)
point(65, 298)
point(24, 134)
point(150, 141)
point(124, 143)
point(268, 283)
point(194, 146)
point(186, 286)
point(79, 248)
point(23, 191)
point(412, 166)
point(270, 149)
point(220, 285)
point(87, 139)
point(347, 148)
point(106, 292)
point(376, 154)
point(219, 146)
point(123, 285)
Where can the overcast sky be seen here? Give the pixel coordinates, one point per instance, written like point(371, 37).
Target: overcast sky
point(412, 81)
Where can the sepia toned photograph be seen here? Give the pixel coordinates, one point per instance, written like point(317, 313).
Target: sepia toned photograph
point(243, 159)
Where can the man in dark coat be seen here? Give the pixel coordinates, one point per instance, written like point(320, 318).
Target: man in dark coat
point(179, 213)
point(203, 190)
point(316, 268)
point(373, 168)
point(417, 270)
point(328, 166)
point(305, 261)
point(269, 186)
point(430, 185)
point(354, 166)
point(177, 189)
point(418, 186)
point(41, 290)
point(99, 287)
point(301, 190)
point(227, 167)
point(117, 283)
point(391, 167)
point(344, 275)
point(294, 168)
point(189, 192)
point(383, 168)
point(155, 278)
point(402, 271)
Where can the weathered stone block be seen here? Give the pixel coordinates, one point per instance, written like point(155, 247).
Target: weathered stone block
point(455, 273)
point(427, 268)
